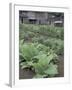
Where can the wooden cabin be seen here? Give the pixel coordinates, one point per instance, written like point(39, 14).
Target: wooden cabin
point(32, 17)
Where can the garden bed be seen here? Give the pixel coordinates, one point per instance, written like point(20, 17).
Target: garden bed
point(41, 49)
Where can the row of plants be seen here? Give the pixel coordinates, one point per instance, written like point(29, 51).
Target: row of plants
point(39, 49)
point(39, 58)
point(45, 30)
point(28, 33)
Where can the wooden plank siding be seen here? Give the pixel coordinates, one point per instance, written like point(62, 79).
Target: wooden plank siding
point(31, 17)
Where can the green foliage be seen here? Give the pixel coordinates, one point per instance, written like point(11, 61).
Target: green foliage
point(36, 56)
point(27, 50)
point(52, 69)
point(44, 30)
point(56, 44)
point(44, 34)
point(39, 48)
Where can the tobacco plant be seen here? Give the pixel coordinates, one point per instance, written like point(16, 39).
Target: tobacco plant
point(39, 58)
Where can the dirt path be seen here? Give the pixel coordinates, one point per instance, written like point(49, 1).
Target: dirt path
point(25, 73)
point(61, 66)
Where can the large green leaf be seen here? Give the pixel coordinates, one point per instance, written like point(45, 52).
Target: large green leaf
point(28, 50)
point(36, 56)
point(52, 70)
point(23, 65)
point(26, 64)
point(43, 62)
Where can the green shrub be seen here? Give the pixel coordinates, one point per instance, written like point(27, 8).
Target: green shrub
point(56, 44)
point(44, 30)
point(39, 48)
point(38, 57)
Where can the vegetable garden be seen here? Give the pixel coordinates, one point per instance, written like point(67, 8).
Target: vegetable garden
point(41, 51)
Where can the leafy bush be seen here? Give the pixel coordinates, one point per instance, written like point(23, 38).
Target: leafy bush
point(56, 44)
point(39, 58)
point(44, 30)
point(39, 48)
